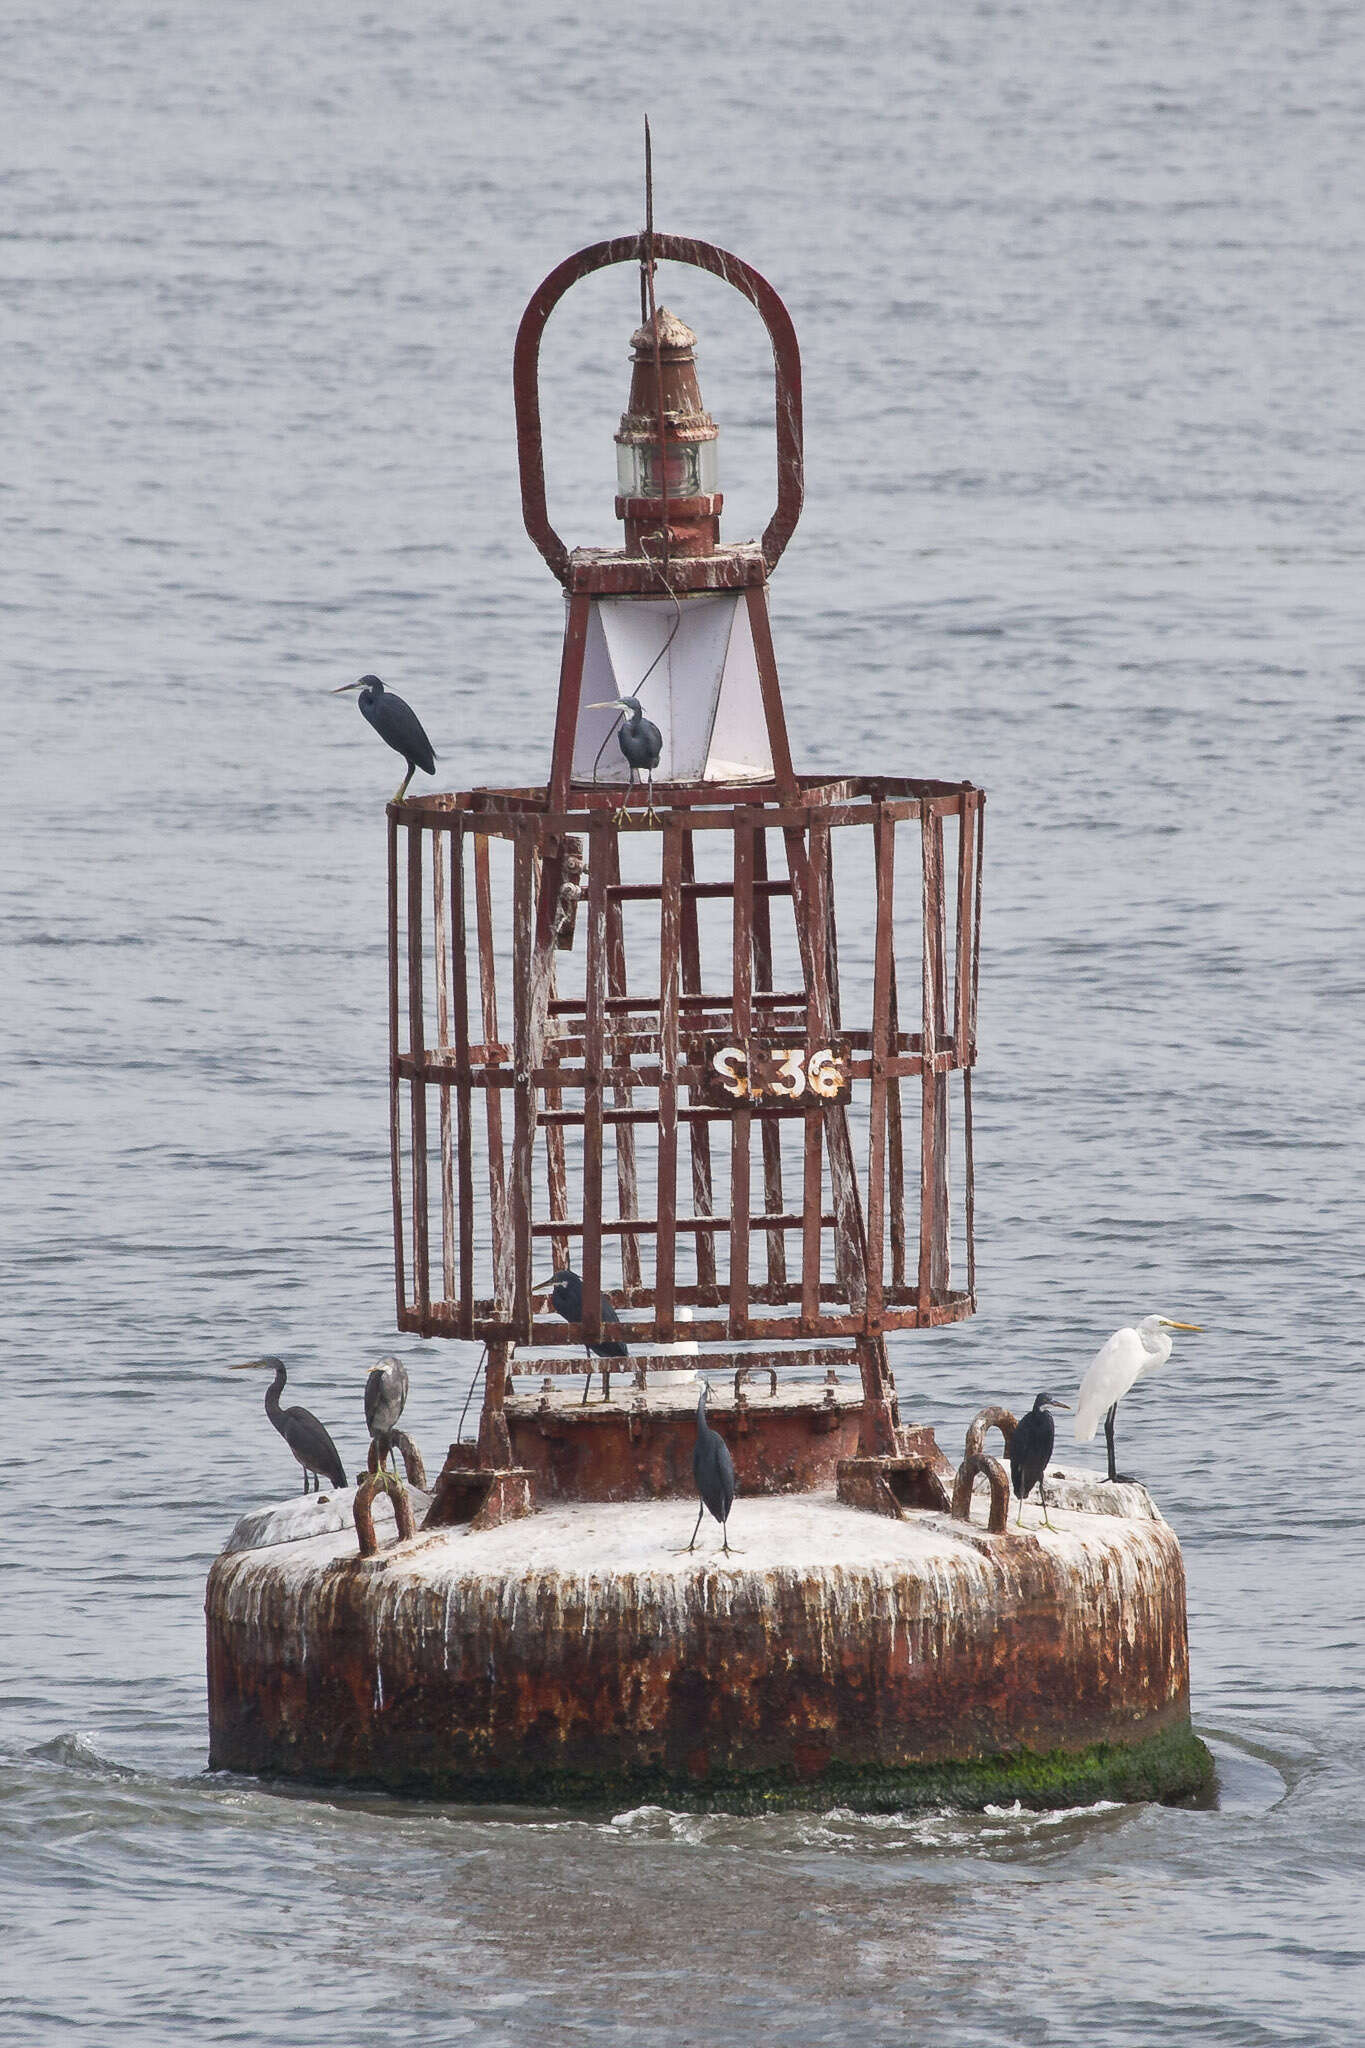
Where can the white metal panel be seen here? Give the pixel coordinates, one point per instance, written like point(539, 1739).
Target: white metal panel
point(700, 688)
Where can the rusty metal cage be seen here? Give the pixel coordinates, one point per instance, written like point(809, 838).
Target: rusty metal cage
point(695, 995)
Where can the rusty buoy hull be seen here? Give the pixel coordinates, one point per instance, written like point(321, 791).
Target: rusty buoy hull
point(583, 1655)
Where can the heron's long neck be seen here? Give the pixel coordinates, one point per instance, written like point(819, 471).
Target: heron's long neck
point(1157, 1345)
point(272, 1395)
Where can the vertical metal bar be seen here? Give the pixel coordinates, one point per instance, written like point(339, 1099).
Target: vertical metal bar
point(627, 1184)
point(810, 919)
point(931, 845)
point(969, 1176)
point(570, 692)
point(395, 1097)
point(594, 1056)
point(666, 1197)
point(699, 1134)
point(783, 774)
point(976, 918)
point(895, 1139)
point(884, 856)
point(523, 1087)
point(740, 1130)
point(503, 1258)
point(440, 914)
point(770, 1128)
point(962, 970)
point(421, 1277)
point(463, 1087)
point(940, 1273)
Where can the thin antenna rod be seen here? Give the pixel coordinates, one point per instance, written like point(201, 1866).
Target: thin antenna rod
point(647, 269)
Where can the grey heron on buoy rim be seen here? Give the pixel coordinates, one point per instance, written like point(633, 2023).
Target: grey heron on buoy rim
point(395, 721)
point(1031, 1451)
point(301, 1430)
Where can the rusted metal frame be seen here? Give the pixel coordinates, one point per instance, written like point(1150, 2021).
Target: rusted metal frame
point(395, 1095)
point(416, 926)
point(771, 1134)
point(627, 1181)
point(440, 913)
point(771, 689)
point(709, 805)
point(437, 1066)
point(741, 1129)
point(463, 1085)
point(786, 369)
point(931, 839)
point(504, 1277)
point(699, 1134)
point(529, 962)
point(884, 861)
point(670, 974)
point(976, 923)
point(495, 1441)
point(570, 694)
point(600, 834)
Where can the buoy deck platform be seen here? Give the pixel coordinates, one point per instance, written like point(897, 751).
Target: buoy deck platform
point(584, 1654)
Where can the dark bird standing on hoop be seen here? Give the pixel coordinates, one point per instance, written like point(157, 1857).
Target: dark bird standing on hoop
point(397, 722)
point(566, 1299)
point(303, 1433)
point(386, 1390)
point(714, 1471)
point(1031, 1450)
point(640, 741)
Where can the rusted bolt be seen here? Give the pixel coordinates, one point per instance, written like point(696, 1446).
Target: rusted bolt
point(363, 1510)
point(547, 1386)
point(745, 1370)
point(972, 1464)
point(831, 1377)
point(826, 1416)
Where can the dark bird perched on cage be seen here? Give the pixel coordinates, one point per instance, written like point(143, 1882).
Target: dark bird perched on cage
point(1031, 1450)
point(714, 1471)
point(303, 1433)
point(396, 722)
point(640, 741)
point(386, 1390)
point(566, 1299)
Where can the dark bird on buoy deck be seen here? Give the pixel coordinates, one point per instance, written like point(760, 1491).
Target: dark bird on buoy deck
point(303, 1433)
point(640, 741)
point(566, 1299)
point(1031, 1451)
point(397, 722)
point(386, 1391)
point(1128, 1354)
point(714, 1471)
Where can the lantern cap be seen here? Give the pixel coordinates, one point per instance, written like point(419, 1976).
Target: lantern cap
point(674, 334)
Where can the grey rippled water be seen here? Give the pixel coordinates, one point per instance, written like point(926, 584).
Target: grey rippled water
point(1078, 288)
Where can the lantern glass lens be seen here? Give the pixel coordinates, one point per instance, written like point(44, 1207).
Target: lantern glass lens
point(692, 469)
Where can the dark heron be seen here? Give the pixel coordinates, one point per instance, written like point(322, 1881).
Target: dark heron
point(714, 1471)
point(566, 1299)
point(303, 1433)
point(386, 1390)
point(640, 741)
point(1031, 1450)
point(397, 723)
point(1128, 1354)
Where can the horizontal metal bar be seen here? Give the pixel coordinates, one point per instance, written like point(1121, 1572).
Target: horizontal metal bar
point(650, 892)
point(646, 1226)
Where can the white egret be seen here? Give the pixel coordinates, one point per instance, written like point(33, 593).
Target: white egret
point(1125, 1358)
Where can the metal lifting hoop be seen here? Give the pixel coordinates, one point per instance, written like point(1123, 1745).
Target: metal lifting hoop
point(786, 372)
